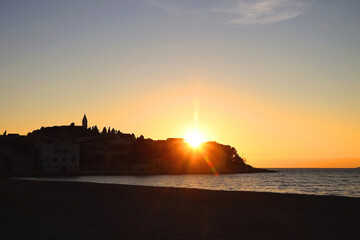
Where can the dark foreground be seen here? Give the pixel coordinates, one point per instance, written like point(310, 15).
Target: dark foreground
point(69, 210)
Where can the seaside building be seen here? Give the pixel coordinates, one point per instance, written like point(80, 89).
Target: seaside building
point(58, 156)
point(16, 155)
point(66, 149)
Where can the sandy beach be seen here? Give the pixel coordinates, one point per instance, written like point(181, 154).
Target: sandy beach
point(74, 210)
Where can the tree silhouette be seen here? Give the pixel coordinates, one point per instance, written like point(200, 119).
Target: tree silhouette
point(103, 131)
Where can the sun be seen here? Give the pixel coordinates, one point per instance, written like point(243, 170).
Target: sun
point(194, 138)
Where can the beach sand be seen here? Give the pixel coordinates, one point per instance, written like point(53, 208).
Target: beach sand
point(73, 210)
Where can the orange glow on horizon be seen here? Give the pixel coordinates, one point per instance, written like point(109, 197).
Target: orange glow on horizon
point(270, 133)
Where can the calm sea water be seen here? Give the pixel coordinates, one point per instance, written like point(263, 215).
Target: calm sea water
point(339, 182)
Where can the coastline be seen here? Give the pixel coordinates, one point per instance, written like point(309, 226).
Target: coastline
point(129, 173)
point(77, 210)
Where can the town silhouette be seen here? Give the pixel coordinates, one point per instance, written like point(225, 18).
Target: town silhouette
point(72, 150)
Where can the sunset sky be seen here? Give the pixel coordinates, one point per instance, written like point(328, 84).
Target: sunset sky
point(277, 79)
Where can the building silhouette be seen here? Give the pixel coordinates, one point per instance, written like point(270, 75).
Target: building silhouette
point(77, 149)
point(58, 155)
point(84, 122)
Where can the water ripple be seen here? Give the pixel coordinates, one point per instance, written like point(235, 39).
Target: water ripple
point(339, 182)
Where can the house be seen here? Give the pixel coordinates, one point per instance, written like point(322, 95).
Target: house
point(58, 156)
point(16, 155)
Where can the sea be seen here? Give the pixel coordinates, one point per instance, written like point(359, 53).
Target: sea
point(315, 181)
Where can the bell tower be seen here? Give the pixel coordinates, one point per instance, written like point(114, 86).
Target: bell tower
point(84, 122)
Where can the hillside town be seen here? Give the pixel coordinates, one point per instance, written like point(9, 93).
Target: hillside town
point(72, 150)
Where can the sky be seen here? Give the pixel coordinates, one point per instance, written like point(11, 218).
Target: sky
point(277, 79)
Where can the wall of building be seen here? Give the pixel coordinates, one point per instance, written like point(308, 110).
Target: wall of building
point(59, 156)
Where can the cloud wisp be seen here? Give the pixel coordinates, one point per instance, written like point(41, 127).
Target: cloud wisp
point(240, 12)
point(265, 11)
point(167, 6)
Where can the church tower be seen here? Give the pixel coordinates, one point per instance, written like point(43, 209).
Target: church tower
point(84, 122)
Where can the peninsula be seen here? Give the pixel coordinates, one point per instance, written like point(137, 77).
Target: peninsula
point(83, 150)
